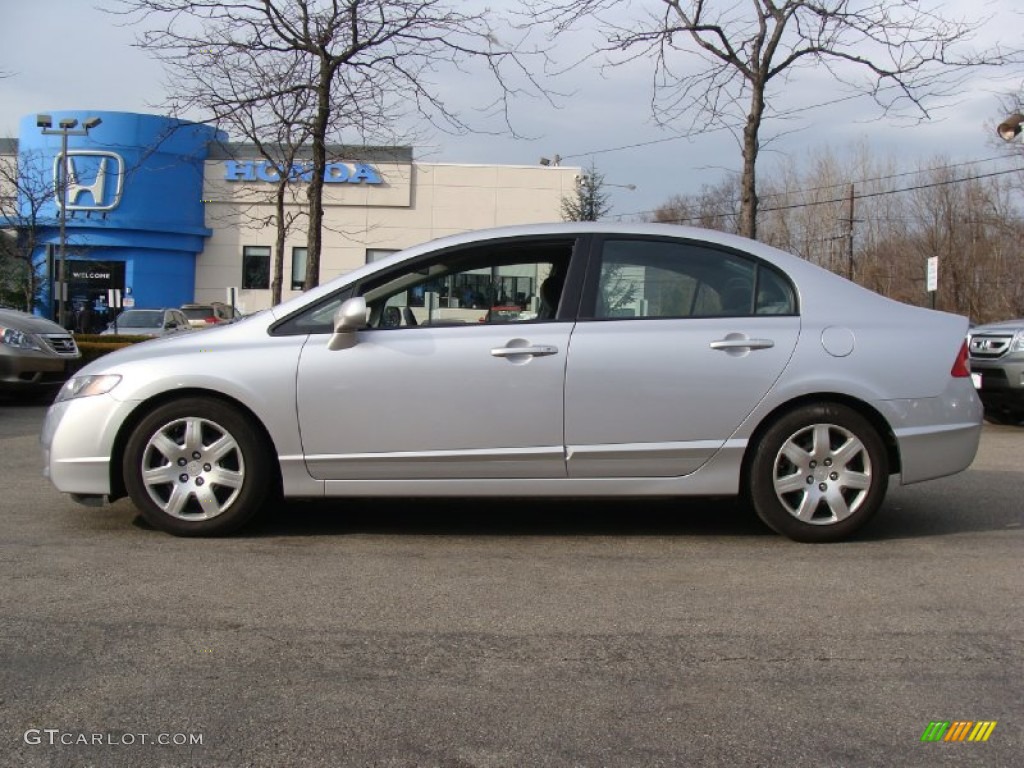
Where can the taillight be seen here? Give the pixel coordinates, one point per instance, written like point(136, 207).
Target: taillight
point(960, 368)
point(212, 320)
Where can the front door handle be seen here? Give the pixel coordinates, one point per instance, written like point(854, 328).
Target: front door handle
point(742, 343)
point(538, 351)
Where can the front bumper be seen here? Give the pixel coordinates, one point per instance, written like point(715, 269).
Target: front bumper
point(78, 439)
point(23, 369)
point(1002, 382)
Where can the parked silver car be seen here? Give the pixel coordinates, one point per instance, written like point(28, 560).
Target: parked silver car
point(34, 352)
point(148, 322)
point(648, 360)
point(997, 365)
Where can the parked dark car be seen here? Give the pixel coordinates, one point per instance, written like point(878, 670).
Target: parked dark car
point(34, 352)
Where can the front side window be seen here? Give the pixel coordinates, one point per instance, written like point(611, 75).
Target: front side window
point(500, 283)
point(509, 282)
point(256, 266)
point(650, 278)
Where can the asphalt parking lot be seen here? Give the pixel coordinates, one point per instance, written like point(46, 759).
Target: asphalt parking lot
point(511, 633)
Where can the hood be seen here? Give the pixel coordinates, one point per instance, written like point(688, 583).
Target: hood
point(1002, 325)
point(26, 323)
point(207, 340)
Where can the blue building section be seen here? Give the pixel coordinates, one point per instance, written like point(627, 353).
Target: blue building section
point(134, 212)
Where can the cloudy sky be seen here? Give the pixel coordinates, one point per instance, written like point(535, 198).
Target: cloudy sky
point(67, 54)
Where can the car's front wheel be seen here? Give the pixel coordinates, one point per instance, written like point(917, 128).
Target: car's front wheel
point(196, 467)
point(1010, 416)
point(819, 473)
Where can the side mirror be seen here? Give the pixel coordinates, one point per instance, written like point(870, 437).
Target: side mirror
point(349, 318)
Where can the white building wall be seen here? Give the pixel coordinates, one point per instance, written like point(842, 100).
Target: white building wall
point(415, 203)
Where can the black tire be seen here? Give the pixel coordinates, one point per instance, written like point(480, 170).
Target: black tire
point(819, 473)
point(1005, 416)
point(197, 467)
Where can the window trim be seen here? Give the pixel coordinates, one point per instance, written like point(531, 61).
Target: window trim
point(567, 309)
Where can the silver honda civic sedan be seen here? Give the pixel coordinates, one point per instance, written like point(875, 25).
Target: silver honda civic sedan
point(558, 360)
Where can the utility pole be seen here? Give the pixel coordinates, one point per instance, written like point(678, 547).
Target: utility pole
point(849, 239)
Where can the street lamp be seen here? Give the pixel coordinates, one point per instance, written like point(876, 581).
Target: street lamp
point(66, 127)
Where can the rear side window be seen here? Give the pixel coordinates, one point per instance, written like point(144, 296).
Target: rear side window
point(662, 279)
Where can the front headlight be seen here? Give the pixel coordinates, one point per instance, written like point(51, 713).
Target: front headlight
point(15, 338)
point(1018, 342)
point(87, 386)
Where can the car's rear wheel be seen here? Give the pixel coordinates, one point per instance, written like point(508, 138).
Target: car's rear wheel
point(820, 472)
point(196, 467)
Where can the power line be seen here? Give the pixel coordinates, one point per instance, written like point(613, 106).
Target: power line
point(703, 131)
point(899, 175)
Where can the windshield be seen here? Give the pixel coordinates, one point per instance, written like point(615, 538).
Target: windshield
point(140, 318)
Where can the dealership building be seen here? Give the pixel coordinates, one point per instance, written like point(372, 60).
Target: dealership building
point(168, 212)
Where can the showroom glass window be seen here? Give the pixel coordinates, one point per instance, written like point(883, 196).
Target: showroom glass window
point(376, 254)
point(652, 278)
point(256, 266)
point(298, 268)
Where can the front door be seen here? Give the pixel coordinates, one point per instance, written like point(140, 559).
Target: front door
point(459, 374)
point(422, 403)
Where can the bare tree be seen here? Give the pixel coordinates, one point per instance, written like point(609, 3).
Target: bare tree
point(263, 100)
point(963, 215)
point(27, 188)
point(367, 62)
point(714, 207)
point(747, 50)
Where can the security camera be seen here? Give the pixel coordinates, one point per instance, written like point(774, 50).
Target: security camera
point(1010, 128)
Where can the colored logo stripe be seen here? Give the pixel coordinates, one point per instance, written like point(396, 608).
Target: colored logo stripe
point(958, 730)
point(982, 730)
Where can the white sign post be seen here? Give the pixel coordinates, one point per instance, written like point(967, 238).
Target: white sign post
point(933, 277)
point(114, 303)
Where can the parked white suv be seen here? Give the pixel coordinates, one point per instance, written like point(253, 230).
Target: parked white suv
point(997, 366)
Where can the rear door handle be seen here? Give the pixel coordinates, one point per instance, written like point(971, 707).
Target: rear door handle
point(538, 351)
point(742, 344)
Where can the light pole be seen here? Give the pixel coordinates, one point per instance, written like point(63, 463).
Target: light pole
point(66, 127)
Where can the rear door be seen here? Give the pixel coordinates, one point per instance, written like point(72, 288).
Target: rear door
point(677, 343)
